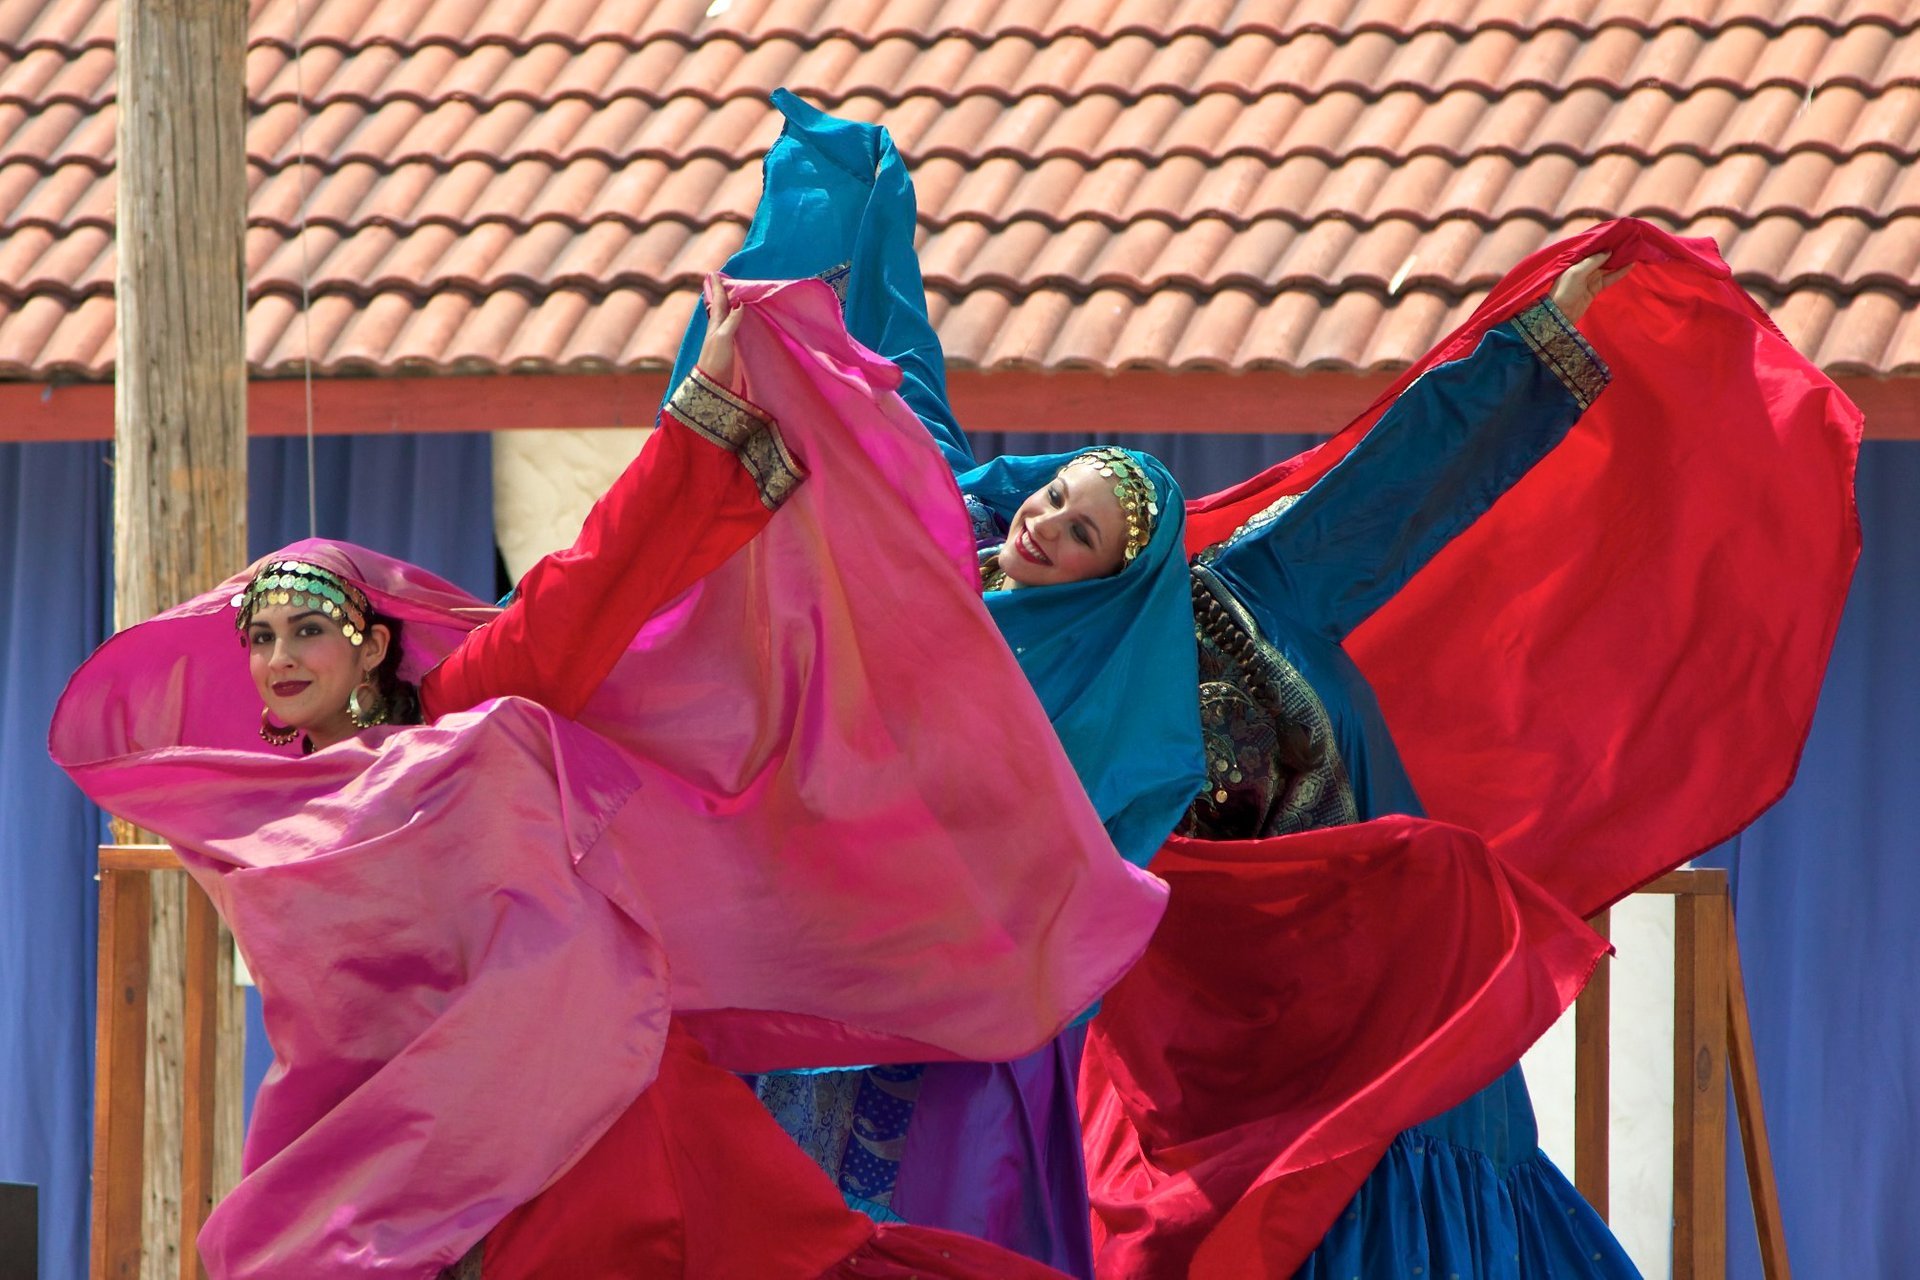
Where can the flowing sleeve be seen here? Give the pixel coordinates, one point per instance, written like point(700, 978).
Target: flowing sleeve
point(1456, 440)
point(707, 481)
point(837, 204)
point(884, 297)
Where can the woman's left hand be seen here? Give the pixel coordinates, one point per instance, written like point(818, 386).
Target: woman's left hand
point(1581, 283)
point(723, 319)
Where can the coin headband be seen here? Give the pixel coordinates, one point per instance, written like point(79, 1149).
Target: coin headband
point(308, 586)
point(1132, 486)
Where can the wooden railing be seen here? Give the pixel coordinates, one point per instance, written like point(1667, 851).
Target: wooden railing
point(1712, 1037)
point(120, 1120)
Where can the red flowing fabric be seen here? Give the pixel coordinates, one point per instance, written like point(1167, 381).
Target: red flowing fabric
point(697, 1180)
point(1612, 670)
point(1616, 667)
point(1304, 999)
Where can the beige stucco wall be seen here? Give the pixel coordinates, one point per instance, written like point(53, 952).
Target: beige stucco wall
point(544, 482)
point(1640, 1177)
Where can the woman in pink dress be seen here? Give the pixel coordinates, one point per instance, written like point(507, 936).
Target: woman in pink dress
point(514, 881)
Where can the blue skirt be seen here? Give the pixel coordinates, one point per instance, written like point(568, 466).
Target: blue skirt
point(1469, 1195)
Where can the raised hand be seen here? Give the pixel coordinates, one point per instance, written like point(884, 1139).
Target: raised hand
point(723, 319)
point(1581, 283)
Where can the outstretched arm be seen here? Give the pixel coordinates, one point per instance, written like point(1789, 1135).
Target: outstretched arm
point(1437, 459)
point(704, 485)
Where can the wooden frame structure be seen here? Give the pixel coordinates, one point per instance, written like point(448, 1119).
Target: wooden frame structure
point(126, 971)
point(1712, 1041)
point(1068, 400)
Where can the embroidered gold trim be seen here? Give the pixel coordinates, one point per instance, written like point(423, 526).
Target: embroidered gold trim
point(1563, 349)
point(1265, 516)
point(1250, 696)
point(992, 576)
point(741, 429)
point(836, 278)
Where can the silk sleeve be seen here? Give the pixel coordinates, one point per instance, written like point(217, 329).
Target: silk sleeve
point(1438, 458)
point(705, 483)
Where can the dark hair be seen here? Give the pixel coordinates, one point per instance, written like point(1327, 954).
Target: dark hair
point(401, 697)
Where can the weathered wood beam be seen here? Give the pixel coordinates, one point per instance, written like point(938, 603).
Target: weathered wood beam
point(1265, 401)
point(180, 492)
point(1744, 1071)
point(1593, 1079)
point(119, 1085)
point(1701, 921)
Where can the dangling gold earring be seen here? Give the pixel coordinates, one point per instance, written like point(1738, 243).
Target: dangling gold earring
point(275, 734)
point(365, 717)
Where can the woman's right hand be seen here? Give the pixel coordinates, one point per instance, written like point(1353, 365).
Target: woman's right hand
point(1581, 283)
point(723, 319)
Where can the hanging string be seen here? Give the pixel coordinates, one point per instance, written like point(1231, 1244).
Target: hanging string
point(306, 267)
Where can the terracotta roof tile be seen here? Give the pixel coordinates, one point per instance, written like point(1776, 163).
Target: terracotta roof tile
point(1189, 184)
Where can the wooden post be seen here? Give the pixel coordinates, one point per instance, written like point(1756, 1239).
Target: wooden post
point(1701, 922)
point(200, 1060)
point(1593, 1079)
point(1711, 1036)
point(180, 475)
point(119, 1085)
point(1745, 1071)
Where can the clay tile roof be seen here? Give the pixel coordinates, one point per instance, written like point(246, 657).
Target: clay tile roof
point(537, 185)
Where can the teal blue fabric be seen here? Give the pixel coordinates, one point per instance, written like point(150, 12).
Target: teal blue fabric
point(1439, 457)
point(834, 194)
point(1468, 1194)
point(1112, 660)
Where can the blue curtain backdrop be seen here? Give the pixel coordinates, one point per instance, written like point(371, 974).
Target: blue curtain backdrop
point(56, 508)
point(427, 499)
point(1826, 893)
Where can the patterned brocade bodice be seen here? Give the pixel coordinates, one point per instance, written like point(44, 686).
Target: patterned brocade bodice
point(1273, 767)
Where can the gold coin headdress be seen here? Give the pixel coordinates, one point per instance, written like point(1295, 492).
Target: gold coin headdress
point(1139, 500)
point(309, 586)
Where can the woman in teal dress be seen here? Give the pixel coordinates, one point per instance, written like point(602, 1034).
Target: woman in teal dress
point(1296, 741)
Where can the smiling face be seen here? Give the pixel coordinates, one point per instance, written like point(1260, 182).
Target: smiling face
point(1069, 530)
point(305, 668)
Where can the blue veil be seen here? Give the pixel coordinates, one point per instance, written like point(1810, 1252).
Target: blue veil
point(1113, 659)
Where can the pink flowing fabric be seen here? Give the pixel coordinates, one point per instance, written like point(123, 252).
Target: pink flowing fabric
point(815, 812)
